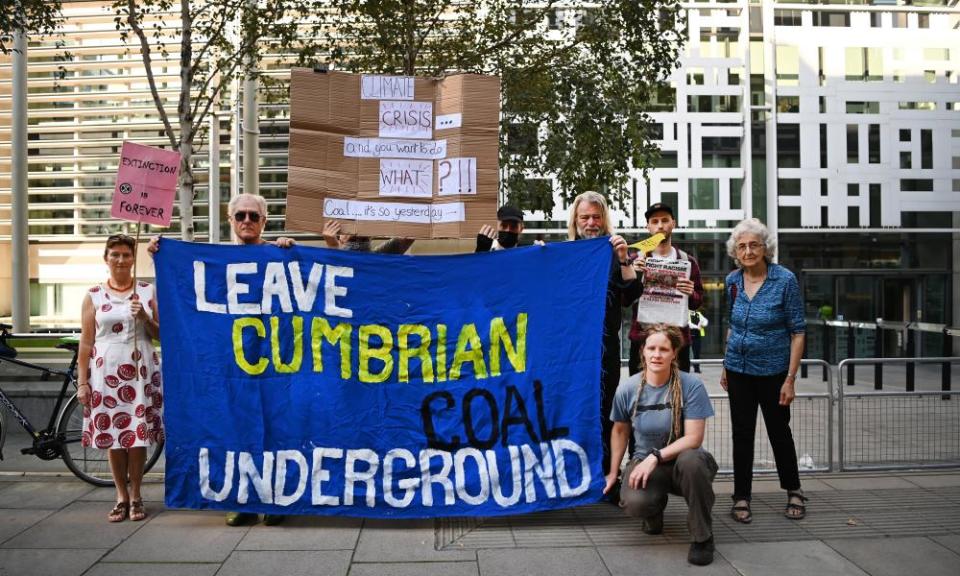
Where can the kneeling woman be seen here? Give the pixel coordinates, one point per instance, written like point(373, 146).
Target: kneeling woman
point(667, 411)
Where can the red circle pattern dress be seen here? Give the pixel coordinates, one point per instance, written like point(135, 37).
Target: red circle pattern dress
point(126, 391)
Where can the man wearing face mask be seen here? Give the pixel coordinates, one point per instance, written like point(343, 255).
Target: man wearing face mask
point(509, 228)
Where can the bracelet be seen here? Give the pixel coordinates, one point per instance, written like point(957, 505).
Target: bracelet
point(82, 385)
point(657, 455)
point(624, 262)
point(792, 376)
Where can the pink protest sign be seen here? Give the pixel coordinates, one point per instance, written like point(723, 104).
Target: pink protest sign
point(146, 184)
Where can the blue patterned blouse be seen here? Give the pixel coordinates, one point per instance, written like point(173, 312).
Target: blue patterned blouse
point(760, 328)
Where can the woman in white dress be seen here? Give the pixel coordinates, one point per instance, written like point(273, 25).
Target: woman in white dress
point(118, 373)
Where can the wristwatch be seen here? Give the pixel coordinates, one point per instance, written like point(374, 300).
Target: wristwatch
point(657, 455)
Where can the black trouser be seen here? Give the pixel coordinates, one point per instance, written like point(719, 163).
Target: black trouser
point(695, 345)
point(609, 380)
point(633, 363)
point(746, 392)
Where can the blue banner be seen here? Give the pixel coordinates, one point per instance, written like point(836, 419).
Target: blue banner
point(317, 381)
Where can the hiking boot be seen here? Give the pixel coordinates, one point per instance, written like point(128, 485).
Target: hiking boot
point(701, 553)
point(653, 525)
point(240, 518)
point(272, 519)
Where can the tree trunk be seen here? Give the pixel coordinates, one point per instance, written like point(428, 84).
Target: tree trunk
point(186, 191)
point(185, 114)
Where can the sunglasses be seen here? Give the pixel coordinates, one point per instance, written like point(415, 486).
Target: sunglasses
point(242, 215)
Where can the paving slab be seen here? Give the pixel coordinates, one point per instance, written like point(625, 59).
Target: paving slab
point(295, 563)
point(951, 541)
point(151, 492)
point(867, 483)
point(42, 495)
point(163, 569)
point(898, 556)
point(47, 562)
point(936, 481)
point(13, 522)
point(403, 541)
point(659, 561)
point(182, 537)
point(416, 569)
point(541, 562)
point(81, 525)
point(788, 559)
point(304, 533)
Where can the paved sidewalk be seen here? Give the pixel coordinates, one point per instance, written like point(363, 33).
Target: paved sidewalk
point(880, 524)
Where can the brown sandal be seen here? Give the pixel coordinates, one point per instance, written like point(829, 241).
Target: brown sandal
point(796, 505)
point(119, 512)
point(137, 511)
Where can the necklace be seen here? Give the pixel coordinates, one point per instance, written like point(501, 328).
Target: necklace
point(118, 288)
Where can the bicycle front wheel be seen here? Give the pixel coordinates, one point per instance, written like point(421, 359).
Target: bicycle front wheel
point(90, 464)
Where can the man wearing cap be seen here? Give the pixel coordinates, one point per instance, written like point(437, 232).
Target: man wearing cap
point(509, 228)
point(660, 219)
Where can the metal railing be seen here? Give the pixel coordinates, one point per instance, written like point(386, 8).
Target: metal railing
point(811, 421)
point(890, 430)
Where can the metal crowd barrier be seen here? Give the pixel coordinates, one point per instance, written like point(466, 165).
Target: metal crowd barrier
point(890, 430)
point(811, 421)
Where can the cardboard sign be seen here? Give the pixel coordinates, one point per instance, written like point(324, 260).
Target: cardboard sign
point(146, 184)
point(359, 144)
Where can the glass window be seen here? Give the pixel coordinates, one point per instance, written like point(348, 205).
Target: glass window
point(873, 144)
point(876, 205)
point(904, 134)
point(936, 54)
point(788, 145)
point(788, 65)
point(704, 193)
point(926, 149)
point(853, 189)
point(863, 107)
point(788, 104)
point(906, 160)
point(823, 145)
point(916, 185)
point(854, 67)
point(788, 186)
point(853, 144)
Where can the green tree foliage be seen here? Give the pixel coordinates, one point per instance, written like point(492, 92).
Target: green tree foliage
point(211, 43)
point(40, 16)
point(576, 77)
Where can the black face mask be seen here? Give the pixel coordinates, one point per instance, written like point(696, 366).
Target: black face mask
point(507, 239)
point(358, 244)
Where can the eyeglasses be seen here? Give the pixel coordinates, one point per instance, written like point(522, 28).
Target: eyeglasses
point(753, 246)
point(242, 215)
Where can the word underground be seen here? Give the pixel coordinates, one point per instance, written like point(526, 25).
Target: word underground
point(429, 478)
point(421, 347)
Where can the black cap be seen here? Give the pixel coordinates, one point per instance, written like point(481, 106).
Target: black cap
point(508, 212)
point(658, 207)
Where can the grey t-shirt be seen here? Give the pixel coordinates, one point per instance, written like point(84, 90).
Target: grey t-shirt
point(651, 427)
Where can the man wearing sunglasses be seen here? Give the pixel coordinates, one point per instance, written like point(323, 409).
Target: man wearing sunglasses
point(248, 218)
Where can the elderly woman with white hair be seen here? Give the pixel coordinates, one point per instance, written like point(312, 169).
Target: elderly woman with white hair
point(764, 346)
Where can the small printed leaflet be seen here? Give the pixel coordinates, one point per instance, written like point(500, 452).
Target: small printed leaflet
point(661, 301)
